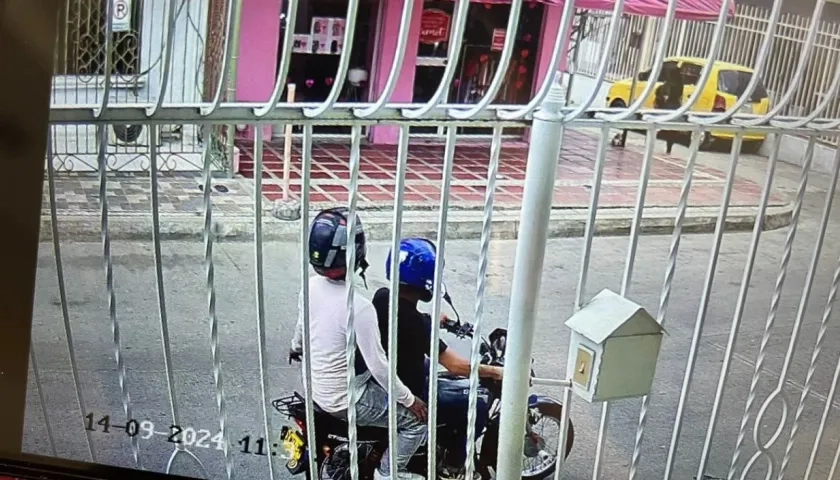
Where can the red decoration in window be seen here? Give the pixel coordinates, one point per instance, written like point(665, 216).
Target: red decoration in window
point(434, 26)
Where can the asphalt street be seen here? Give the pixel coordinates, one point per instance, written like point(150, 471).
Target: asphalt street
point(186, 305)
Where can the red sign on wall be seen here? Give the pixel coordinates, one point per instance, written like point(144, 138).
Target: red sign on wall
point(434, 26)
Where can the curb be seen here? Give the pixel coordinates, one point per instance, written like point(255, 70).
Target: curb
point(379, 224)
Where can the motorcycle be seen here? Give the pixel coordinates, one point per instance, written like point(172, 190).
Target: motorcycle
point(333, 451)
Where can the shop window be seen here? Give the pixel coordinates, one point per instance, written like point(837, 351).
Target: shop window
point(480, 54)
point(319, 36)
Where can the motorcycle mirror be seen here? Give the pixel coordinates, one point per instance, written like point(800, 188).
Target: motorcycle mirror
point(448, 299)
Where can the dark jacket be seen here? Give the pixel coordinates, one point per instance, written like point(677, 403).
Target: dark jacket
point(669, 95)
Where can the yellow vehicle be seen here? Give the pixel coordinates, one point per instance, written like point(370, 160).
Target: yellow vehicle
point(728, 81)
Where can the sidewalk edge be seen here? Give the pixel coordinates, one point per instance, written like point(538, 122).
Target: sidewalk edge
point(610, 222)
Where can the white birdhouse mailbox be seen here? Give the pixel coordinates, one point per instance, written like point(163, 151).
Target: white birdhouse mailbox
point(614, 348)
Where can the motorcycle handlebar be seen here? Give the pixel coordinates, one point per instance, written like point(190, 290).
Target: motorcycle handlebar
point(455, 327)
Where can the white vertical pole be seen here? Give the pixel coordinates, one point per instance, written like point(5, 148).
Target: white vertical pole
point(287, 146)
point(546, 137)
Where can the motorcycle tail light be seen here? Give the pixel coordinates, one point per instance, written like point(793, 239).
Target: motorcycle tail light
point(301, 424)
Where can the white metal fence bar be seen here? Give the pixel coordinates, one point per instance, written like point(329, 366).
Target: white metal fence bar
point(78, 391)
point(306, 177)
point(774, 305)
point(167, 62)
point(549, 120)
point(483, 260)
point(778, 392)
point(112, 296)
point(809, 376)
point(627, 276)
point(180, 445)
point(705, 297)
point(740, 305)
point(350, 281)
point(213, 320)
point(393, 300)
point(262, 347)
point(438, 290)
point(665, 296)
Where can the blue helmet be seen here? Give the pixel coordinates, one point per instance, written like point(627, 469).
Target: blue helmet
point(417, 265)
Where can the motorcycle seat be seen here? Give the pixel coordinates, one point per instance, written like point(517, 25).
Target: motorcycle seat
point(331, 425)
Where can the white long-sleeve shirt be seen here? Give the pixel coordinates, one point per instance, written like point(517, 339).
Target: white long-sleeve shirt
point(328, 344)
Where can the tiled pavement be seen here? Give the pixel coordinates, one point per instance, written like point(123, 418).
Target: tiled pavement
point(330, 171)
point(79, 194)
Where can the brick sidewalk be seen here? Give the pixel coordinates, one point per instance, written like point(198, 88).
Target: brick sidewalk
point(330, 172)
point(182, 194)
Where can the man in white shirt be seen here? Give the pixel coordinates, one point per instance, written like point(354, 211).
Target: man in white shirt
point(328, 344)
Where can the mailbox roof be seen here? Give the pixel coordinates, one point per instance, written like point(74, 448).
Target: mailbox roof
point(611, 315)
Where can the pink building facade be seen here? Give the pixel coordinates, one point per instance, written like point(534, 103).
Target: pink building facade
point(319, 29)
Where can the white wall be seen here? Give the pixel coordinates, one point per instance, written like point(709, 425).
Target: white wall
point(186, 74)
point(74, 147)
point(792, 150)
point(582, 87)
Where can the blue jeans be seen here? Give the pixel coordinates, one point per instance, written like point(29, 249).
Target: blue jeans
point(372, 411)
point(453, 406)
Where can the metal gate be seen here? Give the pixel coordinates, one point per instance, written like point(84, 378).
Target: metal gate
point(780, 432)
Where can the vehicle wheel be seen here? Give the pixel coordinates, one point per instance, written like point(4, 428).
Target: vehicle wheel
point(707, 143)
point(751, 147)
point(618, 103)
point(548, 412)
point(336, 466)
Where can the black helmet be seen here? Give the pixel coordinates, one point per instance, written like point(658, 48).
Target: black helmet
point(328, 244)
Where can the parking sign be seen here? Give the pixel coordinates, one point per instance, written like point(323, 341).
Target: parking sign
point(121, 13)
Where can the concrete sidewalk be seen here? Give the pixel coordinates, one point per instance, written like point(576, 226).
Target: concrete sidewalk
point(233, 199)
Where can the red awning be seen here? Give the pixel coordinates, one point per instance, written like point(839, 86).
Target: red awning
point(701, 10)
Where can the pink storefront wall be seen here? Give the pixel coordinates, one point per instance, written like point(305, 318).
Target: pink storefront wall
point(389, 31)
point(259, 39)
point(260, 32)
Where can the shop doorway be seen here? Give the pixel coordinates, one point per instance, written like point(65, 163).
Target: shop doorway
point(319, 32)
point(479, 60)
